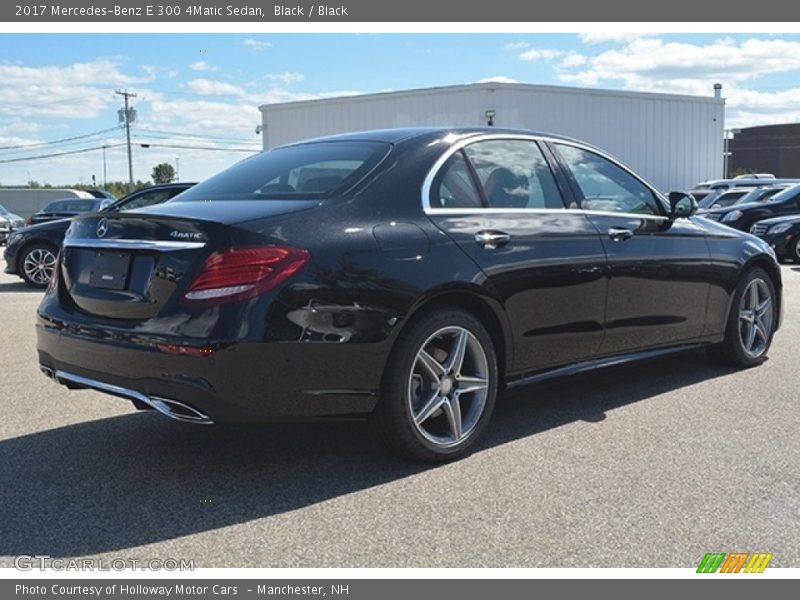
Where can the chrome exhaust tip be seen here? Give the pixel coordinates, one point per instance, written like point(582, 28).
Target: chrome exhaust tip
point(170, 408)
point(179, 411)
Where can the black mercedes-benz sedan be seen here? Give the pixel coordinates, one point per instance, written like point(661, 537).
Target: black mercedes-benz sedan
point(782, 234)
point(406, 275)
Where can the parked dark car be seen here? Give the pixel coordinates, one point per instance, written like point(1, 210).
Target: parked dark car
point(761, 194)
point(406, 275)
point(722, 198)
point(8, 222)
point(742, 216)
point(31, 251)
point(783, 234)
point(67, 208)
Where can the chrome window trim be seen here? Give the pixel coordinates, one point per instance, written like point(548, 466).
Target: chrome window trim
point(160, 245)
point(434, 171)
point(559, 211)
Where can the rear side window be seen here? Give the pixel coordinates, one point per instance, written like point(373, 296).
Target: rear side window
point(314, 170)
point(453, 186)
point(514, 174)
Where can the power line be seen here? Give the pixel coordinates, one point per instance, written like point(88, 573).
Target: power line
point(61, 141)
point(56, 154)
point(213, 148)
point(192, 135)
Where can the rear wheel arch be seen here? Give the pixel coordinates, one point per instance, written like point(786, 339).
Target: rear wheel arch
point(476, 303)
point(34, 242)
point(33, 280)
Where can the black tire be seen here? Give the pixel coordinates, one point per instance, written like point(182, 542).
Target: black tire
point(36, 253)
point(733, 350)
point(795, 256)
point(407, 386)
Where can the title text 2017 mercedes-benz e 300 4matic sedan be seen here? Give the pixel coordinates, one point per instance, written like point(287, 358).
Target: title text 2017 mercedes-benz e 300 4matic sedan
point(409, 275)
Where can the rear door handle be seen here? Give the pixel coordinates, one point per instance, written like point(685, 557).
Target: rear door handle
point(620, 234)
point(491, 239)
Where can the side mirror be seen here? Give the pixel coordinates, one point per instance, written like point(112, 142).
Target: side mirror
point(681, 204)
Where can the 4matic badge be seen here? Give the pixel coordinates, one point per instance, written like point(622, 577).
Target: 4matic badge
point(186, 235)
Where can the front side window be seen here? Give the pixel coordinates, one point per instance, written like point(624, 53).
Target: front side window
point(606, 186)
point(514, 174)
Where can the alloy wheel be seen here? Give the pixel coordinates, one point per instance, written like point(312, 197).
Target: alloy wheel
point(756, 316)
point(448, 386)
point(39, 265)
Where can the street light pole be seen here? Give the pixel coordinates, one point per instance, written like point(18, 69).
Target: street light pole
point(177, 169)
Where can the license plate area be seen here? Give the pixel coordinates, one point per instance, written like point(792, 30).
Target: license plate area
point(110, 270)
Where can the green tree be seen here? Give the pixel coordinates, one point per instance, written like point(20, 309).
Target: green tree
point(163, 173)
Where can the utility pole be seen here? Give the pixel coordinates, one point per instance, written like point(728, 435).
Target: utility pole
point(128, 115)
point(105, 174)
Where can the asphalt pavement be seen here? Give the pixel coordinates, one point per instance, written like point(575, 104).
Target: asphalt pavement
point(646, 465)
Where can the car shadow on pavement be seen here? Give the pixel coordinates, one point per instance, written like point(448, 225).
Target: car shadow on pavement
point(121, 482)
point(18, 286)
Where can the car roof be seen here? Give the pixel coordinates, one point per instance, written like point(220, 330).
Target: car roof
point(393, 136)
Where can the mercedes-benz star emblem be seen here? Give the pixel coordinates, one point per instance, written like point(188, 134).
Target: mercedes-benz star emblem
point(102, 228)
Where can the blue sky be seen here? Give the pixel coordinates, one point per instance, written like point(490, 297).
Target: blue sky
point(204, 89)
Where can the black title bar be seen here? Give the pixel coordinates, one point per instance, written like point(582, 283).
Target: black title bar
point(452, 11)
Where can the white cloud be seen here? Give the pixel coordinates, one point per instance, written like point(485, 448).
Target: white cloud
point(286, 78)
point(202, 65)
point(599, 37)
point(648, 64)
point(656, 65)
point(535, 54)
point(256, 45)
point(516, 46)
point(498, 79)
point(211, 87)
point(573, 59)
point(98, 72)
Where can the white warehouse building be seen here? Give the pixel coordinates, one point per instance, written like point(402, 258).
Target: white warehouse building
point(673, 141)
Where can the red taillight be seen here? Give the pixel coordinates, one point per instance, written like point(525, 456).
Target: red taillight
point(185, 350)
point(53, 283)
point(29, 221)
point(240, 273)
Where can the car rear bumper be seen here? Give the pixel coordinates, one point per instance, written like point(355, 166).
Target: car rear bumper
point(244, 382)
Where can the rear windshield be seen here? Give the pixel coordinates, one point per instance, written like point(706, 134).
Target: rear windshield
point(314, 170)
point(69, 206)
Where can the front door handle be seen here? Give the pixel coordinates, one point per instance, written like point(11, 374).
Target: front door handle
point(491, 239)
point(620, 234)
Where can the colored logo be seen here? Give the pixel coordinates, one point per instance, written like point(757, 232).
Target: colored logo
point(736, 562)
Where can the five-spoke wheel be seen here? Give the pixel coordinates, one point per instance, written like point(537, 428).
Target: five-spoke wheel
point(440, 385)
point(751, 322)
